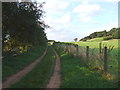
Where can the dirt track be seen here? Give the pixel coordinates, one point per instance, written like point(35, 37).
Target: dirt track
point(16, 77)
point(55, 79)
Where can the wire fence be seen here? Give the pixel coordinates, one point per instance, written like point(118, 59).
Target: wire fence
point(97, 58)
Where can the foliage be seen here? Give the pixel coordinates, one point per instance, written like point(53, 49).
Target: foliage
point(22, 23)
point(107, 38)
point(75, 39)
point(51, 40)
point(112, 34)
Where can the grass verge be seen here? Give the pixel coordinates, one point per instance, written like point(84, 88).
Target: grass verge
point(75, 74)
point(11, 65)
point(40, 75)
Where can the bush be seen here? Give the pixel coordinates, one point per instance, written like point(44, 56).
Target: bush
point(84, 40)
point(108, 38)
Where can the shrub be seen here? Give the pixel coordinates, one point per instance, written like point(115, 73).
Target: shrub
point(84, 40)
point(108, 38)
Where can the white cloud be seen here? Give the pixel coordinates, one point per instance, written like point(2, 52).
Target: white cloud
point(56, 5)
point(53, 7)
point(64, 20)
point(55, 13)
point(58, 23)
point(84, 17)
point(59, 26)
point(86, 10)
point(59, 34)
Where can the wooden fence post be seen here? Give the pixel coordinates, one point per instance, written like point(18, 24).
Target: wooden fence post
point(105, 59)
point(100, 47)
point(76, 50)
point(70, 49)
point(67, 49)
point(87, 52)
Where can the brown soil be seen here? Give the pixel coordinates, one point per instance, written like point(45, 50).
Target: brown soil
point(55, 79)
point(16, 77)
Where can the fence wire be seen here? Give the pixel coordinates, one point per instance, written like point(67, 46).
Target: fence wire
point(95, 59)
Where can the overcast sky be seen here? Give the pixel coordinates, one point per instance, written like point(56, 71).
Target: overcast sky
point(71, 19)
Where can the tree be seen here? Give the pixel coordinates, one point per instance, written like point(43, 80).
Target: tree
point(22, 21)
point(75, 39)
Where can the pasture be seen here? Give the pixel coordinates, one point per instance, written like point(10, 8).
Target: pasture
point(94, 43)
point(112, 55)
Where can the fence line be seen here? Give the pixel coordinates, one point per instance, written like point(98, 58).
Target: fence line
point(94, 57)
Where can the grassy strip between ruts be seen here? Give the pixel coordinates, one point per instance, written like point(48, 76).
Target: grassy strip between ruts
point(11, 65)
point(40, 75)
point(74, 74)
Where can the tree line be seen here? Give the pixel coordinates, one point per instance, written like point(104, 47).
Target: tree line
point(22, 25)
point(112, 34)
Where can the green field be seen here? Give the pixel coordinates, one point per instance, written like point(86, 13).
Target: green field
point(76, 74)
point(94, 43)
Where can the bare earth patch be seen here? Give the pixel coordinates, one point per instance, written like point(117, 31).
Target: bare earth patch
point(55, 79)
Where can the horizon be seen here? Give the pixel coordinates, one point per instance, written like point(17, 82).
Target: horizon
point(84, 37)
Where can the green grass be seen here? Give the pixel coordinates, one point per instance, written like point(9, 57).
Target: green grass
point(11, 65)
point(75, 74)
point(94, 43)
point(96, 39)
point(112, 56)
point(40, 75)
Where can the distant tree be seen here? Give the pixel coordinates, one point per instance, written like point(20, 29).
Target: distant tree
point(51, 40)
point(116, 34)
point(75, 39)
